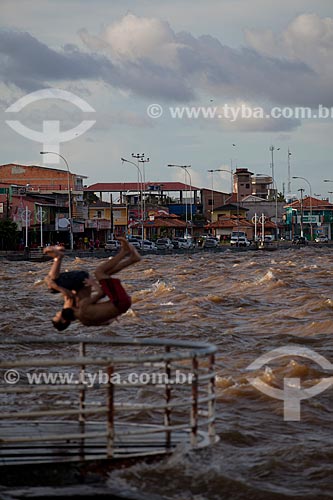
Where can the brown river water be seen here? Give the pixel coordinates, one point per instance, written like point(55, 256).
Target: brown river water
point(248, 303)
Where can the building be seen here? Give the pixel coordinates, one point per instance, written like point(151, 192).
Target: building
point(106, 220)
point(309, 216)
point(53, 195)
point(242, 183)
point(262, 186)
point(246, 184)
point(210, 200)
point(177, 198)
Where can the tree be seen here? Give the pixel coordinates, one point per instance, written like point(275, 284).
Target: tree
point(8, 234)
point(280, 197)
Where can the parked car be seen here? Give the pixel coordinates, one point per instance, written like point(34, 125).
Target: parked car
point(210, 242)
point(148, 245)
point(111, 245)
point(136, 242)
point(164, 244)
point(239, 241)
point(321, 239)
point(185, 243)
point(299, 240)
point(175, 242)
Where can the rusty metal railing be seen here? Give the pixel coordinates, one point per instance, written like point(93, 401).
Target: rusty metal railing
point(68, 399)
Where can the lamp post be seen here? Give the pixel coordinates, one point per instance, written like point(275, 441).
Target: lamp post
point(301, 190)
point(69, 195)
point(140, 182)
point(310, 188)
point(212, 172)
point(330, 192)
point(141, 158)
point(272, 149)
point(185, 167)
point(276, 209)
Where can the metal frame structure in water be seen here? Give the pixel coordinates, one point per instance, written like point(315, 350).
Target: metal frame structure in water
point(70, 420)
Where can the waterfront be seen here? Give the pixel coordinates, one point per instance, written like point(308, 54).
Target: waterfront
point(246, 303)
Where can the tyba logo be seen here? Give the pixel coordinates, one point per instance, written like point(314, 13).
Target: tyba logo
point(292, 393)
point(51, 136)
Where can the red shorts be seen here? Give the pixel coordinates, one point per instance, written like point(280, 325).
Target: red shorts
point(116, 293)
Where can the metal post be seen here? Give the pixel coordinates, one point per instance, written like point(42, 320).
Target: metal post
point(211, 403)
point(140, 181)
point(310, 189)
point(301, 190)
point(41, 225)
point(262, 227)
point(110, 414)
point(186, 229)
point(82, 396)
point(111, 218)
point(71, 239)
point(26, 226)
point(194, 408)
point(143, 161)
point(185, 167)
point(167, 412)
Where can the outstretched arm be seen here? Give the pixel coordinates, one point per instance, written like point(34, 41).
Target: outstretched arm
point(57, 253)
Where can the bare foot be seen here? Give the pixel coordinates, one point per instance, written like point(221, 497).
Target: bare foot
point(125, 246)
point(55, 251)
point(134, 255)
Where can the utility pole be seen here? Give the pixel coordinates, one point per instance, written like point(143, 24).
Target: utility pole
point(111, 218)
point(143, 160)
point(186, 172)
point(301, 191)
point(289, 172)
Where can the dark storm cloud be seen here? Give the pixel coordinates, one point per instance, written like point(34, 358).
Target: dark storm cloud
point(30, 65)
point(145, 56)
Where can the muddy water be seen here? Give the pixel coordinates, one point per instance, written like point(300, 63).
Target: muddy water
point(248, 304)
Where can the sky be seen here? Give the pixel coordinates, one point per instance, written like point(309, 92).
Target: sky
point(124, 66)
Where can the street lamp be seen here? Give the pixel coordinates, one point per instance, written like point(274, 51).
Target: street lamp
point(301, 190)
point(69, 195)
point(212, 172)
point(140, 182)
point(185, 167)
point(272, 149)
point(141, 158)
point(304, 179)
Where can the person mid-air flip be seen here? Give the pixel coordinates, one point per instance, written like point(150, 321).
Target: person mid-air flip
point(76, 286)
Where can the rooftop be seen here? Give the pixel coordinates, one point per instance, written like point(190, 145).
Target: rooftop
point(109, 187)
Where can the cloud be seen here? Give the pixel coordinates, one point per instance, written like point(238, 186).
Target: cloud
point(261, 71)
point(147, 58)
point(309, 40)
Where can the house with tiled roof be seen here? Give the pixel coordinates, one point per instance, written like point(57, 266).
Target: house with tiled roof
point(311, 216)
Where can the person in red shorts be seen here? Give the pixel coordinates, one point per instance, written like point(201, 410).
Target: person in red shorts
point(90, 310)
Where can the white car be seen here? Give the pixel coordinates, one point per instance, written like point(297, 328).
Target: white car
point(164, 244)
point(240, 241)
point(111, 245)
point(184, 243)
point(321, 239)
point(148, 245)
point(136, 242)
point(211, 242)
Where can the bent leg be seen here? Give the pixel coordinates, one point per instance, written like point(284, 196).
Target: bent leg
point(119, 262)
